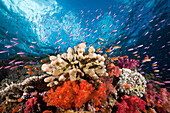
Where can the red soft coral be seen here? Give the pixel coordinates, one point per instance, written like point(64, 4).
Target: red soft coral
point(70, 94)
point(131, 104)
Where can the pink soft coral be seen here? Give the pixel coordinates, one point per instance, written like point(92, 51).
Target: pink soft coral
point(131, 104)
point(115, 71)
point(126, 63)
point(110, 88)
point(150, 94)
point(31, 105)
point(163, 101)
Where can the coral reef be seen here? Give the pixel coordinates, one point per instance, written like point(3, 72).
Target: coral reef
point(135, 81)
point(77, 82)
point(75, 66)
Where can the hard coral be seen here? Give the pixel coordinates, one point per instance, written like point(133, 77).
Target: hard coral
point(70, 94)
point(75, 65)
point(135, 81)
point(131, 105)
point(126, 63)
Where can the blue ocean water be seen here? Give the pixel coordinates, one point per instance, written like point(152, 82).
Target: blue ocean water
point(41, 27)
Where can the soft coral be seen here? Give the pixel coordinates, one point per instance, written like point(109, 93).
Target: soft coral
point(131, 104)
point(70, 94)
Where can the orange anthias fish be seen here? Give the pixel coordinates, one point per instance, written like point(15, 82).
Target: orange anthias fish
point(138, 56)
point(125, 56)
point(30, 72)
point(151, 111)
point(105, 55)
point(29, 69)
point(20, 99)
point(146, 60)
point(101, 39)
point(159, 105)
point(98, 50)
point(148, 102)
point(16, 109)
point(156, 70)
point(114, 58)
point(47, 111)
point(126, 86)
point(27, 66)
point(116, 47)
point(36, 68)
point(43, 61)
point(108, 51)
point(154, 65)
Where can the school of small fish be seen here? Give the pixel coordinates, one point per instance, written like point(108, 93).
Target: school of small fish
point(129, 30)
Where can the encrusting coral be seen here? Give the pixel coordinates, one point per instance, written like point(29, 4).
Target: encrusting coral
point(75, 65)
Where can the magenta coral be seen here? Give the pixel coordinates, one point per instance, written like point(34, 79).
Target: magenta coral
point(31, 105)
point(126, 63)
point(131, 105)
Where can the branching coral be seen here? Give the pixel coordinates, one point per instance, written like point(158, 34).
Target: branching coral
point(135, 81)
point(70, 94)
point(131, 105)
point(126, 63)
point(75, 65)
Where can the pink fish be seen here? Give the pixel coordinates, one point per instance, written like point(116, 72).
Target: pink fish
point(8, 46)
point(1, 67)
point(57, 41)
point(44, 38)
point(15, 38)
point(11, 61)
point(18, 62)
point(7, 67)
point(3, 51)
point(13, 67)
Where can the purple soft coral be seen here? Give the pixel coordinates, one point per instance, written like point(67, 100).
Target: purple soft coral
point(132, 63)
